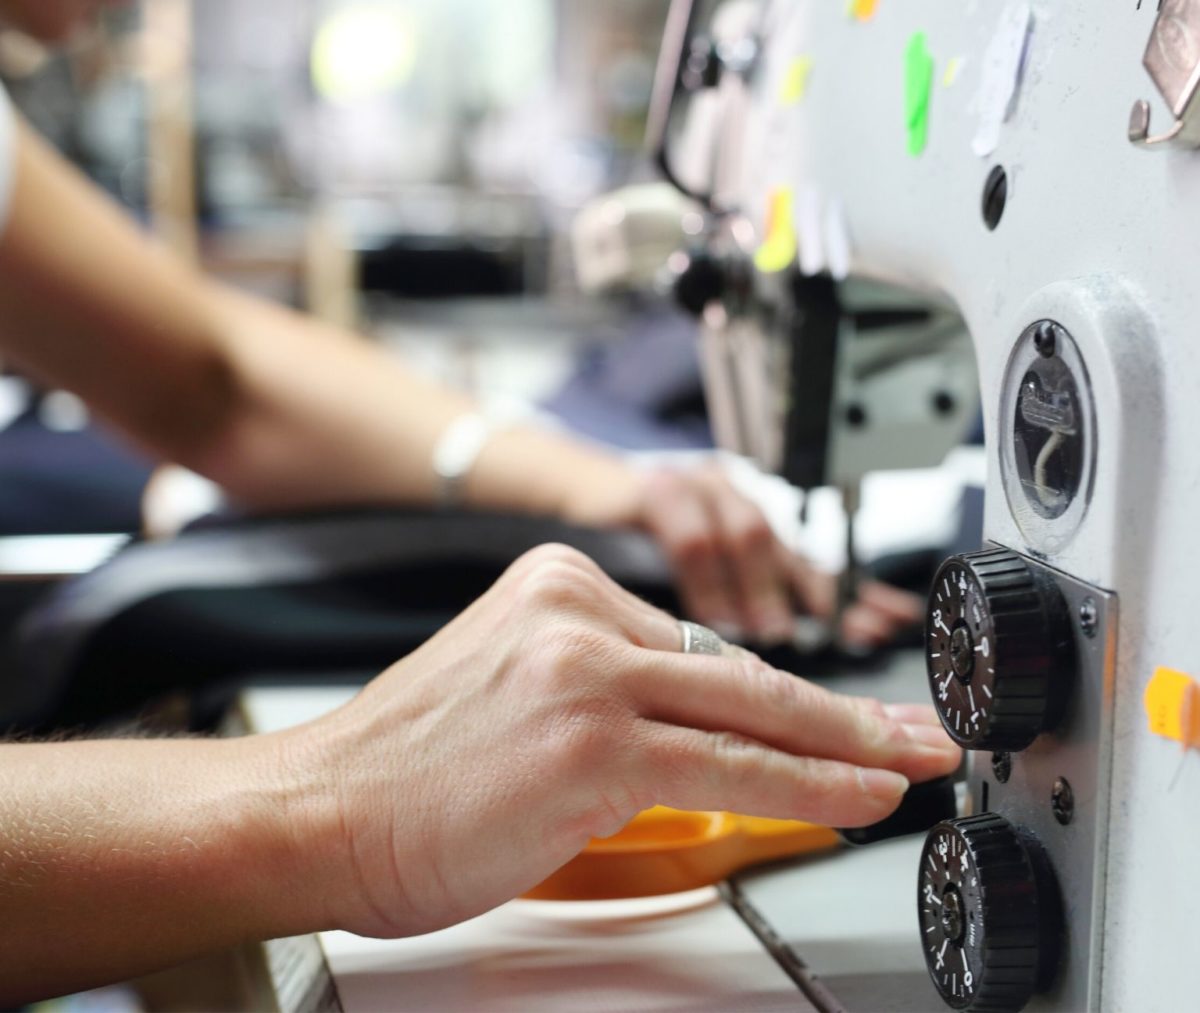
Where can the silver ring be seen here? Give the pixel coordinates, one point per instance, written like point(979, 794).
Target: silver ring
point(699, 639)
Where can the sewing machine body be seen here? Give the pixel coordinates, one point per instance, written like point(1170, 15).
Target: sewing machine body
point(1102, 238)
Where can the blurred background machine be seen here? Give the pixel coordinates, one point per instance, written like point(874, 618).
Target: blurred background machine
point(815, 375)
point(978, 156)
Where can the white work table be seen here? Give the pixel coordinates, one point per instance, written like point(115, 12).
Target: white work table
point(849, 916)
point(689, 952)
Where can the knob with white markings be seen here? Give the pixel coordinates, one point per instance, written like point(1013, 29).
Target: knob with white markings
point(998, 650)
point(988, 914)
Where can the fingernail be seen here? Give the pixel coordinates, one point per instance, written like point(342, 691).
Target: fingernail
point(809, 634)
point(928, 735)
point(775, 629)
point(912, 714)
point(882, 784)
point(727, 630)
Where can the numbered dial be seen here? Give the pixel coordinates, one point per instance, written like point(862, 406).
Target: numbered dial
point(983, 921)
point(998, 650)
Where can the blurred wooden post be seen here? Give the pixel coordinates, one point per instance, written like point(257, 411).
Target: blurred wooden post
point(330, 270)
point(171, 144)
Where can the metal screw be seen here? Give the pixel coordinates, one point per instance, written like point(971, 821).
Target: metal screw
point(1002, 766)
point(1045, 339)
point(944, 403)
point(995, 197)
point(856, 416)
point(1089, 617)
point(1062, 801)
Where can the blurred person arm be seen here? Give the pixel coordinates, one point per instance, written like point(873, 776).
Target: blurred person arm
point(285, 412)
point(550, 712)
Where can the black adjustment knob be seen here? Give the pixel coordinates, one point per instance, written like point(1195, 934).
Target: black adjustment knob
point(999, 650)
point(989, 916)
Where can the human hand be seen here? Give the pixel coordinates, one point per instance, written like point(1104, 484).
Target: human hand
point(551, 712)
point(732, 572)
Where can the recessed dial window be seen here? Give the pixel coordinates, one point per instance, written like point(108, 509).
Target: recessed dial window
point(1048, 438)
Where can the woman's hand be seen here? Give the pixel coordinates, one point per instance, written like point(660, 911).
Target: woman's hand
point(551, 712)
point(732, 572)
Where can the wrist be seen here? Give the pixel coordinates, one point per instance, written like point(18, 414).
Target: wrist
point(602, 491)
point(242, 825)
point(339, 830)
point(544, 472)
point(292, 832)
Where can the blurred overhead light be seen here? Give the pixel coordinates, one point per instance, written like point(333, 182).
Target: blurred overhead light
point(363, 51)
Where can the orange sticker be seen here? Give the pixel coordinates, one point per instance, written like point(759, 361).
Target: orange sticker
point(1173, 707)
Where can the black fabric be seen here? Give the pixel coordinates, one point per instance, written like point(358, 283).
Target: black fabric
point(67, 483)
point(297, 595)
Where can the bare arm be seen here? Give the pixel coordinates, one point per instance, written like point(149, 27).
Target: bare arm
point(121, 857)
point(279, 409)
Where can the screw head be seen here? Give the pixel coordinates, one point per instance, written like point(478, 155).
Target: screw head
point(995, 197)
point(1045, 339)
point(856, 416)
point(1062, 801)
point(1002, 767)
point(1089, 617)
point(944, 403)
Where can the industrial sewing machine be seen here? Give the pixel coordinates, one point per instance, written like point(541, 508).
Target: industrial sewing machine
point(982, 157)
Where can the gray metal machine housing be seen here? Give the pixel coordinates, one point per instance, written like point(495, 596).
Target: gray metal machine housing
point(1100, 233)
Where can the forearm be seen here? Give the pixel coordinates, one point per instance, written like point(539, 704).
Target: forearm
point(120, 857)
point(90, 304)
point(325, 418)
point(281, 410)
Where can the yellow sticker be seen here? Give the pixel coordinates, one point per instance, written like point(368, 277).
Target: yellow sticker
point(863, 10)
point(778, 251)
point(953, 68)
point(1173, 707)
point(795, 81)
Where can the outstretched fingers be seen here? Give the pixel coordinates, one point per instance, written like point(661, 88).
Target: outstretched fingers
point(690, 769)
point(745, 696)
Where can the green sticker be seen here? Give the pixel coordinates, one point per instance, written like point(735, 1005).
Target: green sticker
point(918, 85)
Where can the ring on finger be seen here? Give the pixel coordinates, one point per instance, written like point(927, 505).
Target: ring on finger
point(699, 639)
